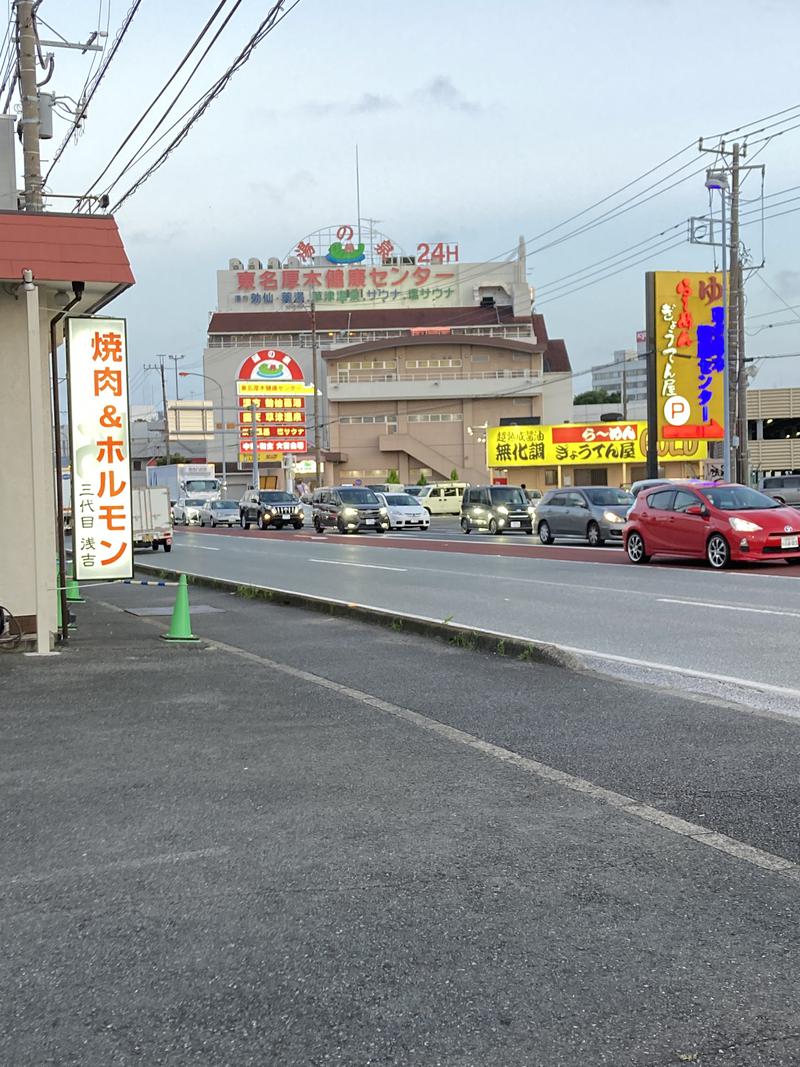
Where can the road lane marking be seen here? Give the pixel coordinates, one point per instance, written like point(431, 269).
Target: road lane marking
point(726, 607)
point(202, 548)
point(701, 835)
point(87, 870)
point(368, 566)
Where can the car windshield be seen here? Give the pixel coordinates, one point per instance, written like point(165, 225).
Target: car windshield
point(276, 498)
point(508, 494)
point(609, 498)
point(401, 500)
point(225, 505)
point(738, 498)
point(414, 490)
point(194, 502)
point(358, 496)
point(201, 485)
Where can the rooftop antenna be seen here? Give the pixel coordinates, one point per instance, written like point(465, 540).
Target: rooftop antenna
point(358, 197)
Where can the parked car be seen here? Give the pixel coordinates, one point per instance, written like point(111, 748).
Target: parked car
point(219, 513)
point(350, 509)
point(721, 522)
point(404, 511)
point(648, 483)
point(783, 487)
point(497, 509)
point(534, 496)
point(186, 510)
point(442, 498)
point(270, 507)
point(595, 513)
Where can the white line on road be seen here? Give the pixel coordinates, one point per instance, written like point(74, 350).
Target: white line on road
point(701, 835)
point(726, 607)
point(203, 548)
point(368, 566)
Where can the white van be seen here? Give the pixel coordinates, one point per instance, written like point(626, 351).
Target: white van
point(441, 498)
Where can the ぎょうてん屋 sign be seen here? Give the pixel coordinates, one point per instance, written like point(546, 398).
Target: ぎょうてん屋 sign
point(97, 371)
point(581, 444)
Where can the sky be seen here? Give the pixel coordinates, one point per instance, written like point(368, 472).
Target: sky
point(475, 124)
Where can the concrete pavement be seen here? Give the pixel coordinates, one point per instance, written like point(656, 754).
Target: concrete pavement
point(239, 853)
point(741, 624)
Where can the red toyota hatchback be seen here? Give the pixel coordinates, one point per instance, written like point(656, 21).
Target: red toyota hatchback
point(721, 522)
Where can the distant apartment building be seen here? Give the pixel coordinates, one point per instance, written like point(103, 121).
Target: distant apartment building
point(627, 375)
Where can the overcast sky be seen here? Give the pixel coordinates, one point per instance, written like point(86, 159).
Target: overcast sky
point(475, 123)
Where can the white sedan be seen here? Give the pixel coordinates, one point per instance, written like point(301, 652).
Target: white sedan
point(220, 513)
point(405, 511)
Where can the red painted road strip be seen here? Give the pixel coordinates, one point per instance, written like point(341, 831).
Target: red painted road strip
point(493, 547)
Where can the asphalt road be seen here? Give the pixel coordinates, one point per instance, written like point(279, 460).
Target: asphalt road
point(309, 841)
point(740, 624)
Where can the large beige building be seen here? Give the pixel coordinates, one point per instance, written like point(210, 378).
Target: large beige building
point(418, 353)
point(774, 431)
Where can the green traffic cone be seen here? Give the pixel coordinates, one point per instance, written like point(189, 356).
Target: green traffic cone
point(73, 591)
point(180, 628)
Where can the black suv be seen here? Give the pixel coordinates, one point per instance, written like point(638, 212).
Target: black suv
point(496, 508)
point(270, 507)
point(350, 509)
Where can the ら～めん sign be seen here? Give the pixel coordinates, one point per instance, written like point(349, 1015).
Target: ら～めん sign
point(97, 369)
point(687, 327)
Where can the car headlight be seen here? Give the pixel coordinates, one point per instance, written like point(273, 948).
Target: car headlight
point(611, 516)
point(298, 511)
point(502, 510)
point(350, 511)
point(743, 525)
point(383, 511)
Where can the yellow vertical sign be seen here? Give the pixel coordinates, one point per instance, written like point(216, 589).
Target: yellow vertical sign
point(688, 327)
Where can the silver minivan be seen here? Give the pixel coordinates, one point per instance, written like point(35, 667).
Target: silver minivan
point(783, 487)
point(595, 513)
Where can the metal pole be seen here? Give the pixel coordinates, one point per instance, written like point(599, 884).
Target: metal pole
point(744, 448)
point(732, 358)
point(29, 95)
point(726, 372)
point(224, 449)
point(653, 394)
point(166, 411)
point(317, 392)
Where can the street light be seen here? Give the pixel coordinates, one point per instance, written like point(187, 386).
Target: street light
point(208, 378)
point(718, 179)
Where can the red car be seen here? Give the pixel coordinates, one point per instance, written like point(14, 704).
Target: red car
point(718, 521)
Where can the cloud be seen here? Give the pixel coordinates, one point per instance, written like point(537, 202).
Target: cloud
point(371, 102)
point(441, 91)
point(789, 282)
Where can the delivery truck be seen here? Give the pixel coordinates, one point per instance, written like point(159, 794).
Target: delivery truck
point(186, 479)
point(152, 518)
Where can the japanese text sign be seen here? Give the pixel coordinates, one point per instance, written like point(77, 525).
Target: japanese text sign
point(97, 361)
point(272, 418)
point(580, 445)
point(687, 325)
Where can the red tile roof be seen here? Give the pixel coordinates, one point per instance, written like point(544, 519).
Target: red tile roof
point(61, 248)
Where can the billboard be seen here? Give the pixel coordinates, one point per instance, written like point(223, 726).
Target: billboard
point(97, 371)
point(271, 394)
point(686, 324)
point(581, 445)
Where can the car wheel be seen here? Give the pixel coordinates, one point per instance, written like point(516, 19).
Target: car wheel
point(593, 535)
point(493, 527)
point(263, 524)
point(465, 526)
point(340, 526)
point(202, 522)
point(317, 524)
point(634, 546)
point(154, 546)
point(244, 521)
point(168, 548)
point(297, 525)
point(718, 553)
point(545, 536)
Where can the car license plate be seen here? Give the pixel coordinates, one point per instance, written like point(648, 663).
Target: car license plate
point(790, 542)
point(515, 525)
point(370, 522)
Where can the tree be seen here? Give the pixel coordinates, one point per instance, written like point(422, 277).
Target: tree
point(596, 396)
point(453, 475)
point(393, 478)
point(422, 480)
point(174, 457)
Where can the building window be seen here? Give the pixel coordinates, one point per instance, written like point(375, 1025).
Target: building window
point(424, 364)
point(438, 417)
point(367, 364)
point(480, 357)
point(361, 420)
point(550, 476)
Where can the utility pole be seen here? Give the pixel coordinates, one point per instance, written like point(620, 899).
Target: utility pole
point(160, 368)
point(175, 361)
point(317, 391)
point(29, 94)
point(744, 453)
point(734, 315)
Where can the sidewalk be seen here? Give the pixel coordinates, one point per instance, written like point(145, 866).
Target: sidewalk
point(210, 861)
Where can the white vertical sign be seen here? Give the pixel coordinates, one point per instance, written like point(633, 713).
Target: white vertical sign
point(97, 361)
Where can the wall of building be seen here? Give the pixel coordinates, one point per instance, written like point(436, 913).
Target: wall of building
point(23, 526)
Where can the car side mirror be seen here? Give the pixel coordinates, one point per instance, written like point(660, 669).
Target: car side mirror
point(583, 504)
point(697, 509)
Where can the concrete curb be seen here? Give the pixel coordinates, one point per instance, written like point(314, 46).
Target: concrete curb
point(467, 637)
